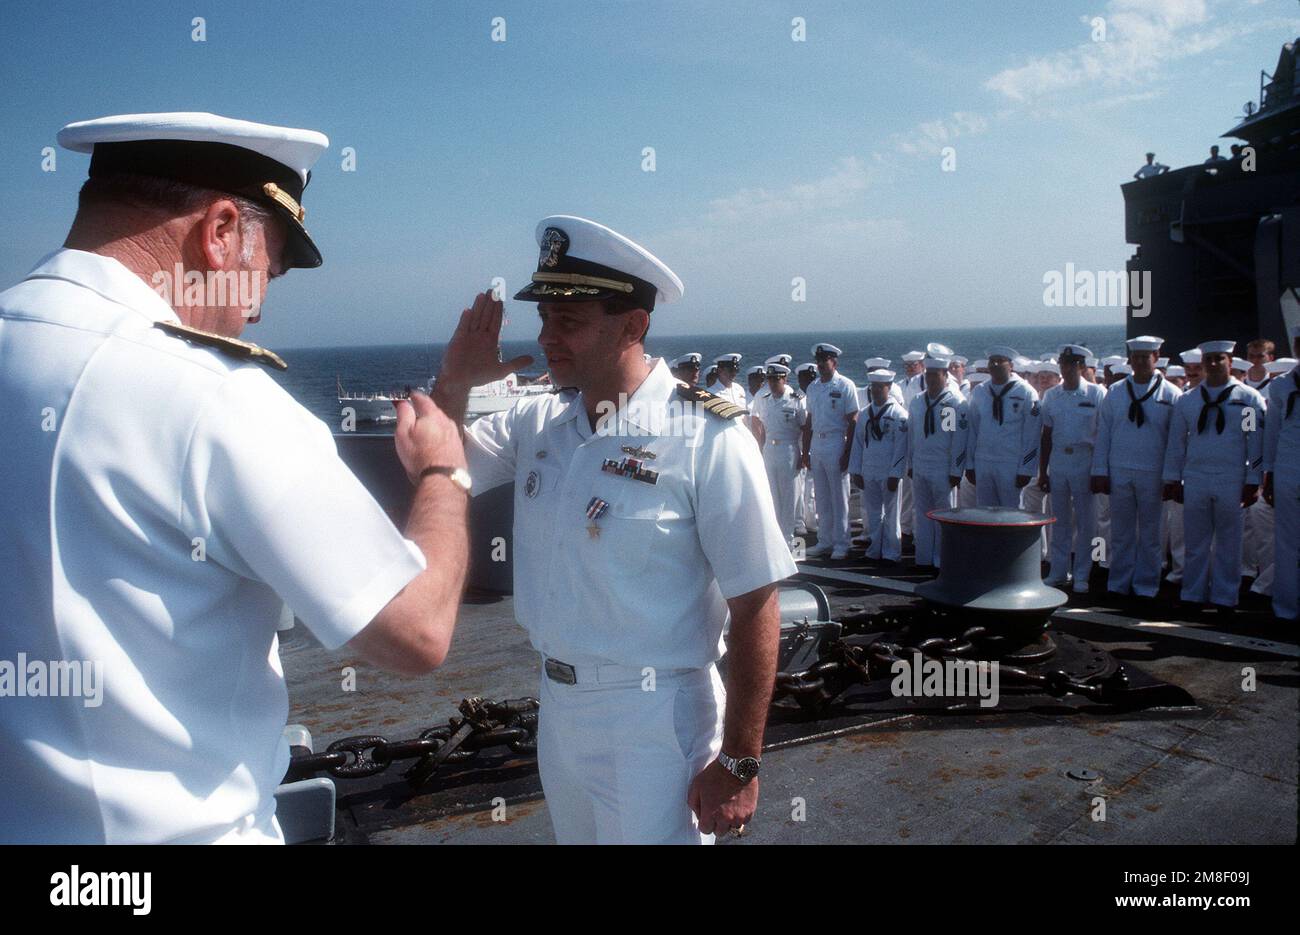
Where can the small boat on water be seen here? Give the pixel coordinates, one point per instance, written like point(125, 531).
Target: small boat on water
point(483, 400)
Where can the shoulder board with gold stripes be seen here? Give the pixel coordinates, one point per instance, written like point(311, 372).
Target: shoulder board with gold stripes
point(724, 408)
point(231, 347)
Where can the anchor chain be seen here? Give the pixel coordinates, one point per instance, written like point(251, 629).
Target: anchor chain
point(482, 724)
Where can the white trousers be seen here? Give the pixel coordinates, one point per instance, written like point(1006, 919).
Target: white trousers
point(1173, 539)
point(617, 761)
point(1257, 546)
point(966, 493)
point(930, 491)
point(832, 492)
point(1135, 513)
point(781, 459)
point(905, 495)
point(880, 520)
point(1212, 523)
point(1076, 523)
point(1101, 505)
point(1033, 499)
point(995, 484)
point(1286, 541)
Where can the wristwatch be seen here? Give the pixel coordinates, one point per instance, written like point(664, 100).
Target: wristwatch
point(744, 769)
point(458, 476)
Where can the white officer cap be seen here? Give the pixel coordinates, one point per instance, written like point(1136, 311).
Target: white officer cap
point(1111, 362)
point(809, 367)
point(877, 363)
point(1144, 342)
point(581, 261)
point(266, 164)
point(980, 364)
point(934, 349)
point(1091, 362)
point(1162, 362)
point(759, 368)
point(1239, 363)
point(780, 370)
point(881, 376)
point(958, 359)
point(1192, 356)
point(936, 363)
point(1074, 350)
point(1002, 350)
point(1121, 368)
point(1217, 347)
point(1281, 365)
point(912, 357)
point(977, 378)
point(1173, 370)
point(733, 359)
point(782, 359)
point(825, 350)
point(692, 360)
point(1049, 366)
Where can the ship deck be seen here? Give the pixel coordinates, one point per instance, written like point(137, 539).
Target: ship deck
point(1221, 771)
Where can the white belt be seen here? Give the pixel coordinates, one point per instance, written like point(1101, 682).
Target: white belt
point(566, 674)
point(829, 434)
point(781, 441)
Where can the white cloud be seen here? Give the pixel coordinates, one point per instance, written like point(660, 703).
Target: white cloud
point(928, 138)
point(1142, 36)
point(833, 191)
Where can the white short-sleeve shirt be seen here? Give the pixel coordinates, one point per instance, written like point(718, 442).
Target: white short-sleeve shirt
point(650, 587)
point(164, 502)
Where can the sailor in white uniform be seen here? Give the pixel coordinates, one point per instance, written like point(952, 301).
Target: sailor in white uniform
point(1126, 464)
point(828, 442)
point(895, 389)
point(1282, 484)
point(1265, 558)
point(957, 370)
point(1214, 462)
point(756, 382)
point(687, 368)
point(165, 499)
point(805, 513)
point(877, 464)
point(779, 415)
point(1070, 413)
point(726, 386)
point(640, 527)
point(936, 455)
point(1257, 533)
point(1191, 359)
point(1004, 428)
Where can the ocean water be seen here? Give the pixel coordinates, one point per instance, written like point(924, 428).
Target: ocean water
point(312, 371)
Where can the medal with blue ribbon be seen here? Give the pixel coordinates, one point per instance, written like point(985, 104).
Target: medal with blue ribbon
point(596, 508)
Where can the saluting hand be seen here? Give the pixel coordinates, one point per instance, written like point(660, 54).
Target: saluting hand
point(474, 354)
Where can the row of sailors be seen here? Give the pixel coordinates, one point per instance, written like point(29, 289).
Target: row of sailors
point(1146, 458)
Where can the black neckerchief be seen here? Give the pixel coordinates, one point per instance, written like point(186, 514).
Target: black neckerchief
point(1135, 414)
point(1294, 394)
point(873, 424)
point(1217, 404)
point(929, 412)
point(997, 399)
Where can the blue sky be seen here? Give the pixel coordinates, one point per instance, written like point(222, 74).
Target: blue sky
point(773, 158)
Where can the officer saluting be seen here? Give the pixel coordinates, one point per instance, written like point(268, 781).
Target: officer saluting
point(642, 520)
point(165, 497)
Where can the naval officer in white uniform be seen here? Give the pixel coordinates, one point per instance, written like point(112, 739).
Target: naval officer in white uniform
point(1003, 439)
point(165, 498)
point(728, 366)
point(1070, 413)
point(643, 520)
point(936, 455)
point(1132, 432)
point(1282, 484)
point(779, 414)
point(827, 444)
point(877, 463)
point(1213, 463)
